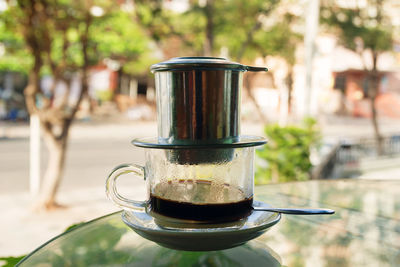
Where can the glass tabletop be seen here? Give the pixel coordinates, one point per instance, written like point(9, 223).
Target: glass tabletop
point(364, 231)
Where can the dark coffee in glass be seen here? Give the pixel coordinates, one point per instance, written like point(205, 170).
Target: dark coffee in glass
point(206, 206)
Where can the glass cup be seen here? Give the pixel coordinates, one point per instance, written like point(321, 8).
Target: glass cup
point(203, 191)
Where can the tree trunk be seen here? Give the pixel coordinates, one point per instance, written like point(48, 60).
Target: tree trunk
point(249, 40)
point(289, 82)
point(374, 119)
point(55, 120)
point(209, 41)
point(373, 90)
point(57, 150)
point(343, 110)
point(274, 174)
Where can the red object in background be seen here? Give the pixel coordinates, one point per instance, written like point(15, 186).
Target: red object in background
point(387, 105)
point(352, 83)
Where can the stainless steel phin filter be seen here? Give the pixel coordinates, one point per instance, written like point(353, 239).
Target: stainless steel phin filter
point(198, 106)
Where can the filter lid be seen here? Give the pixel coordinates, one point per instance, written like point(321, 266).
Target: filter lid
point(202, 63)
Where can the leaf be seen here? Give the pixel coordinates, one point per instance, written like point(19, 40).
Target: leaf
point(288, 152)
point(10, 261)
point(73, 226)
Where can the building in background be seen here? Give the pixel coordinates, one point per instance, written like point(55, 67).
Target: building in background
point(348, 87)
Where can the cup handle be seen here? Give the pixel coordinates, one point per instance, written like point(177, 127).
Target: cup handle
point(111, 187)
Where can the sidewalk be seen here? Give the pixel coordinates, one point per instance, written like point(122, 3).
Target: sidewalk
point(23, 230)
point(350, 127)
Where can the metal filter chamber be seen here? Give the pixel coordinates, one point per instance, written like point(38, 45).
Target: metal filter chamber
point(198, 106)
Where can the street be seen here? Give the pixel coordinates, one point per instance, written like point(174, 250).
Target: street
point(88, 163)
point(94, 149)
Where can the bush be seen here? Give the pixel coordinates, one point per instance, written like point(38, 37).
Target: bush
point(286, 156)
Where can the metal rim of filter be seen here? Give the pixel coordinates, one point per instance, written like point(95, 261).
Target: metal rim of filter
point(242, 141)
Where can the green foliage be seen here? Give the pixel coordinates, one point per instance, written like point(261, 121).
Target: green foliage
point(73, 226)
point(360, 28)
point(104, 95)
point(230, 24)
point(118, 38)
point(286, 157)
point(96, 248)
point(10, 261)
point(113, 35)
point(235, 25)
point(238, 24)
point(163, 25)
point(280, 40)
point(16, 56)
point(168, 257)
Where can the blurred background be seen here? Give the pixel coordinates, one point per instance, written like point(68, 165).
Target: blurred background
point(75, 88)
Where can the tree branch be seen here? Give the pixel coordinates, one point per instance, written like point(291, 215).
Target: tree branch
point(84, 37)
point(249, 39)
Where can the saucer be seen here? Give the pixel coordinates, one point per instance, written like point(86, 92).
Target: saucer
point(201, 237)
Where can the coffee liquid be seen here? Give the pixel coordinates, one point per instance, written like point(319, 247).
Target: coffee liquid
point(230, 208)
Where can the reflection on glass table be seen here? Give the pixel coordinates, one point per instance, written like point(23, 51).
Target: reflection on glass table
point(365, 231)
